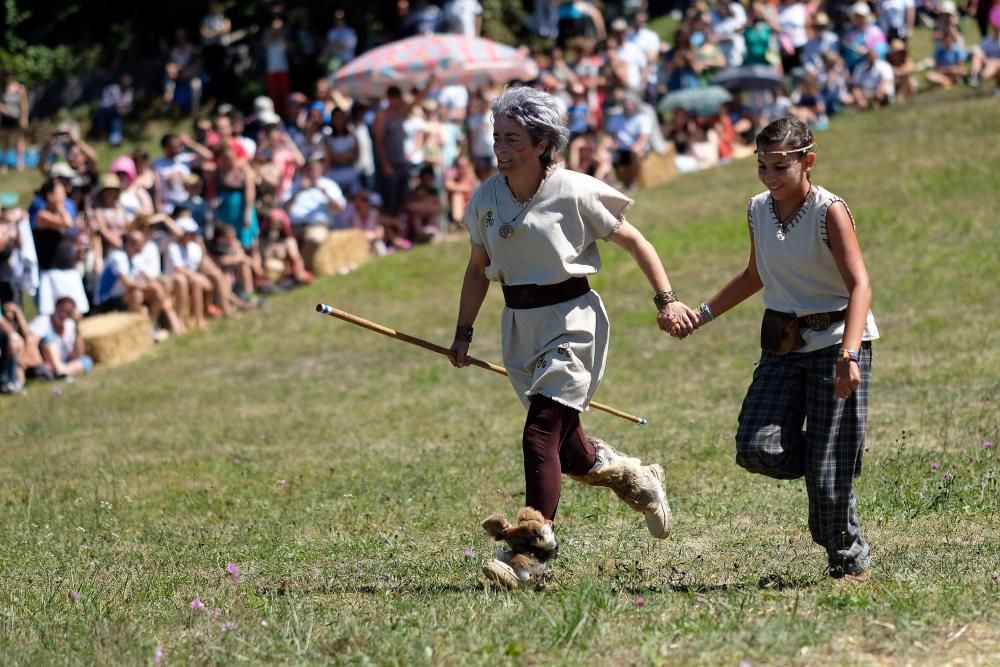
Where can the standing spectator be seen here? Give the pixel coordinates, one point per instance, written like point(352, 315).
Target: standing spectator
point(729, 18)
point(424, 208)
point(182, 78)
point(279, 81)
point(215, 32)
point(341, 41)
point(649, 43)
point(464, 17)
point(342, 152)
point(634, 69)
point(792, 19)
point(423, 18)
point(180, 153)
point(389, 139)
point(758, 37)
point(896, 18)
point(60, 343)
point(316, 201)
point(480, 128)
point(117, 102)
point(365, 166)
point(13, 121)
point(55, 241)
point(873, 83)
point(236, 191)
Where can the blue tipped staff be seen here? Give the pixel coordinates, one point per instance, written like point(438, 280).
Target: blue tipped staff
point(427, 345)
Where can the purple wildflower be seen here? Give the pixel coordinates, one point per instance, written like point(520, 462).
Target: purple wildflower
point(158, 655)
point(640, 602)
point(74, 596)
point(469, 554)
point(281, 483)
point(217, 613)
point(234, 572)
point(935, 465)
point(988, 444)
point(196, 605)
point(948, 476)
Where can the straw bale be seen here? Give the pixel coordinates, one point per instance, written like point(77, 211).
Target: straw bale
point(344, 250)
point(116, 338)
point(657, 168)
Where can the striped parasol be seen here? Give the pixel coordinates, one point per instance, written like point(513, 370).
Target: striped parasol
point(453, 59)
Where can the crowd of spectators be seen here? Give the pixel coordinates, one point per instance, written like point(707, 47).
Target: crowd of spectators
point(237, 208)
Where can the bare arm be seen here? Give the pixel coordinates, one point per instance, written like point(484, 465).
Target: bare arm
point(847, 254)
point(474, 288)
point(54, 220)
point(676, 318)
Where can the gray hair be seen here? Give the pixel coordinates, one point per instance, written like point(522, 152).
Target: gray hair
point(538, 113)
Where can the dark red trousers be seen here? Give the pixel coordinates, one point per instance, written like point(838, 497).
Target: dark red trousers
point(553, 444)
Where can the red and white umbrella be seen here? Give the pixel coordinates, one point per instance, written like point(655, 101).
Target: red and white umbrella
point(453, 59)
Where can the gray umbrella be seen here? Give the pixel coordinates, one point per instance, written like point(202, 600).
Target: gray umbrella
point(750, 77)
point(699, 101)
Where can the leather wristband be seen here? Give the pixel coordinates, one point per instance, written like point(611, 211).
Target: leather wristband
point(847, 354)
point(664, 299)
point(463, 333)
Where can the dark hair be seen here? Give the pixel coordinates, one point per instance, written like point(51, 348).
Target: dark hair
point(166, 139)
point(791, 133)
point(47, 187)
point(393, 91)
point(180, 208)
point(63, 299)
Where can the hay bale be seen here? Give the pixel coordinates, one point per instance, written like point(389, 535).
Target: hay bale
point(657, 168)
point(344, 250)
point(116, 338)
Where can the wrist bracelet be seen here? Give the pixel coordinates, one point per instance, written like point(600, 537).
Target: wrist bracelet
point(706, 312)
point(663, 299)
point(847, 354)
point(463, 333)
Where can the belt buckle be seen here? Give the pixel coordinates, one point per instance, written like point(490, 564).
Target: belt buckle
point(818, 321)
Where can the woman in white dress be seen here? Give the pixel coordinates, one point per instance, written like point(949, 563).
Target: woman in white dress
point(534, 228)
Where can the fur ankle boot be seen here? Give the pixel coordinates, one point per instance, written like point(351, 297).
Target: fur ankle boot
point(640, 487)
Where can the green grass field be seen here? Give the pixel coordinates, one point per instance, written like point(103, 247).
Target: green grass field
point(345, 475)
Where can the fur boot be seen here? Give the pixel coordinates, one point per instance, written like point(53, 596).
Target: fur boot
point(640, 487)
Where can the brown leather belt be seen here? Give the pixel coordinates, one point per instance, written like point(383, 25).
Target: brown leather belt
point(821, 321)
point(538, 296)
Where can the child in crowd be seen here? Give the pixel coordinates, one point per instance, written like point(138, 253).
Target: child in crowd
point(949, 59)
point(805, 412)
point(903, 69)
point(424, 208)
point(181, 263)
point(808, 104)
point(459, 182)
point(60, 344)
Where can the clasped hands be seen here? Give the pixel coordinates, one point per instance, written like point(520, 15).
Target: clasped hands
point(678, 320)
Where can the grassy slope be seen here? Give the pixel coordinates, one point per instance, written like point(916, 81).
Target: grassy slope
point(137, 485)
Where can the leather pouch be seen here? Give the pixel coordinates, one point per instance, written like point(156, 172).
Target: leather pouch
point(779, 332)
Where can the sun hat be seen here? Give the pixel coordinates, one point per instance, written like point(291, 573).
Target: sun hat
point(619, 25)
point(268, 118)
point(109, 182)
point(187, 224)
point(123, 164)
point(821, 20)
point(948, 7)
point(861, 9)
point(262, 103)
point(897, 46)
point(61, 170)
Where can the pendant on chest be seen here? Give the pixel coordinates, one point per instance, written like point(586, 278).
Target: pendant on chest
point(780, 235)
point(506, 231)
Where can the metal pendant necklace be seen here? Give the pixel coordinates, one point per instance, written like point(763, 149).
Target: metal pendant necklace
point(507, 228)
point(785, 224)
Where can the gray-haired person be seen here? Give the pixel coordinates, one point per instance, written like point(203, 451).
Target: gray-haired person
point(534, 228)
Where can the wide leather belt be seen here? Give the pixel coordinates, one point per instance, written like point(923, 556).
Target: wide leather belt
point(538, 296)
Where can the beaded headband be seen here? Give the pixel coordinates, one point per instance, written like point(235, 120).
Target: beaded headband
point(785, 154)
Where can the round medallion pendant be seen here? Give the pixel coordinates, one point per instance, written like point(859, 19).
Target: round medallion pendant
point(780, 235)
point(506, 231)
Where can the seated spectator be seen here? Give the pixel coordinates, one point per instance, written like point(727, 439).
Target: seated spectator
point(459, 183)
point(591, 155)
point(134, 196)
point(630, 131)
point(13, 350)
point(808, 104)
point(986, 59)
point(949, 60)
point(11, 255)
point(59, 341)
point(903, 69)
point(683, 132)
point(110, 219)
point(316, 201)
point(834, 81)
point(123, 288)
point(364, 213)
point(862, 36)
point(821, 40)
point(117, 102)
point(180, 155)
point(680, 69)
point(157, 232)
point(282, 261)
point(872, 82)
point(424, 208)
point(236, 265)
point(181, 263)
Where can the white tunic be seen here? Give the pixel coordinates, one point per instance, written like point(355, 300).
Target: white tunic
point(558, 351)
point(798, 270)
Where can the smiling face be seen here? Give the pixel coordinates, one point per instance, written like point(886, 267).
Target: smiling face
point(784, 175)
point(513, 147)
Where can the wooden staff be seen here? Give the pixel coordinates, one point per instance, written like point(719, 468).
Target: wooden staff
point(427, 345)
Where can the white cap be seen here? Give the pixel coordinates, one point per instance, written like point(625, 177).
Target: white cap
point(188, 224)
point(861, 9)
point(948, 7)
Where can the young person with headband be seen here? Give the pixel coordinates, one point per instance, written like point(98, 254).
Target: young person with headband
point(815, 365)
point(534, 229)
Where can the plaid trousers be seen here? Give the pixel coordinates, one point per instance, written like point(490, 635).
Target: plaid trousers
point(796, 389)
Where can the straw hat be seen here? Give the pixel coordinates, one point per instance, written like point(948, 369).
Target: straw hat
point(109, 182)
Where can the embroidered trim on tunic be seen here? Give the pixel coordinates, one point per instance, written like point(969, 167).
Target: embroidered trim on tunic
point(803, 208)
point(823, 234)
